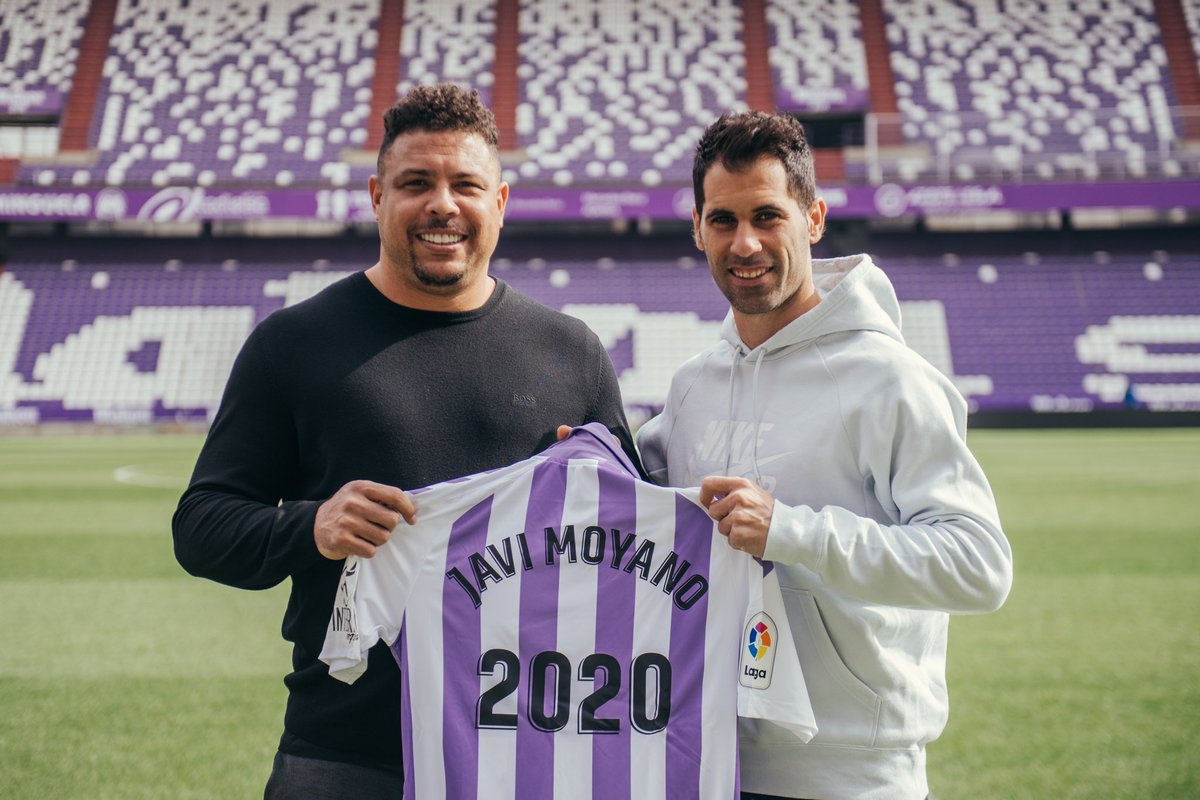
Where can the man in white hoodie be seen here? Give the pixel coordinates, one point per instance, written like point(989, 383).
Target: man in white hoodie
point(826, 445)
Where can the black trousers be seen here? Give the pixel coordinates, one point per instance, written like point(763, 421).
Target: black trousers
point(297, 778)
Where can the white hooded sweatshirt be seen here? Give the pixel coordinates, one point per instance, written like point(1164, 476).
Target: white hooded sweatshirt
point(883, 524)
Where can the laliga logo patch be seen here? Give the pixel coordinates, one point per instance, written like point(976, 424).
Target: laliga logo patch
point(758, 652)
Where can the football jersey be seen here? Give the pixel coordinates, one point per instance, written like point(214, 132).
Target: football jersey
point(566, 630)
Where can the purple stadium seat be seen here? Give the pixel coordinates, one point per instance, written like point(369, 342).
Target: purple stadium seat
point(1038, 89)
point(619, 92)
point(258, 92)
point(39, 44)
point(816, 55)
point(136, 343)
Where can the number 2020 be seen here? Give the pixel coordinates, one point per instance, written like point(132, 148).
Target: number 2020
point(645, 667)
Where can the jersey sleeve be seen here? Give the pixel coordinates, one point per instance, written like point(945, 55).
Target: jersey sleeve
point(373, 594)
point(771, 683)
point(345, 649)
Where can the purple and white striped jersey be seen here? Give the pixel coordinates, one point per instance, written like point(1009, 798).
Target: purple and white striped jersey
point(566, 630)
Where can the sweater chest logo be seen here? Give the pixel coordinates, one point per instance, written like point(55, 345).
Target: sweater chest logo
point(524, 400)
point(737, 449)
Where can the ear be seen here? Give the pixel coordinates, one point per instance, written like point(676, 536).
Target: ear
point(816, 221)
point(375, 189)
point(502, 200)
point(696, 238)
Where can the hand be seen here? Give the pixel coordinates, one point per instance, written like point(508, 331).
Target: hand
point(562, 432)
point(742, 510)
point(359, 518)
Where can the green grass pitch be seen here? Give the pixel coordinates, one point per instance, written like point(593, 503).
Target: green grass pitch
point(123, 677)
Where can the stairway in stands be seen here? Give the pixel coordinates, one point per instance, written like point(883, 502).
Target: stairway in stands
point(506, 86)
point(387, 69)
point(89, 72)
point(881, 81)
point(760, 91)
point(1181, 60)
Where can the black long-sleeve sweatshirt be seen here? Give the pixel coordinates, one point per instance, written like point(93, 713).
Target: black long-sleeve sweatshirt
point(349, 385)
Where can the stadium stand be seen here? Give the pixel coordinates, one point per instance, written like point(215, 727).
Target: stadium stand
point(279, 93)
point(1046, 90)
point(1191, 10)
point(456, 41)
point(805, 76)
point(258, 92)
point(39, 44)
point(620, 91)
point(113, 341)
point(448, 41)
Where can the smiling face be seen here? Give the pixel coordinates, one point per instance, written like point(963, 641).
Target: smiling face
point(758, 239)
point(440, 205)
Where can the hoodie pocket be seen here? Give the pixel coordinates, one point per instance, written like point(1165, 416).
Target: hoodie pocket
point(847, 710)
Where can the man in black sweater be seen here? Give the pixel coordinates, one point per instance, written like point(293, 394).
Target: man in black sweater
point(420, 369)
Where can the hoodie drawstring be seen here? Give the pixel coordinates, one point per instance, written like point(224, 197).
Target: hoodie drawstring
point(757, 416)
point(733, 365)
point(754, 409)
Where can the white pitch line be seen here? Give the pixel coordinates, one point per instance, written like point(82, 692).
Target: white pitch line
point(137, 475)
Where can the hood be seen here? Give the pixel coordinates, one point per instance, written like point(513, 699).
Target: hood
point(855, 296)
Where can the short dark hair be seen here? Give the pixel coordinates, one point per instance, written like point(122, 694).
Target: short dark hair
point(444, 107)
point(739, 139)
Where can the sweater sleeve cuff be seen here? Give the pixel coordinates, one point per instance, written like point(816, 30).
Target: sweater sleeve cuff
point(791, 536)
point(299, 517)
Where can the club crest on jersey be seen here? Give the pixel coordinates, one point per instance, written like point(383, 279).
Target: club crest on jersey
point(758, 652)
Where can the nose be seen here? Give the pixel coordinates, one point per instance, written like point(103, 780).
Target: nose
point(745, 241)
point(441, 202)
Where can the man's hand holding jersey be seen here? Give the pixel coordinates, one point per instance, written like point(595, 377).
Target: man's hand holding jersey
point(359, 518)
point(742, 510)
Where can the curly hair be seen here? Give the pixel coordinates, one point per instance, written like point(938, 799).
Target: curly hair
point(444, 107)
point(737, 140)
